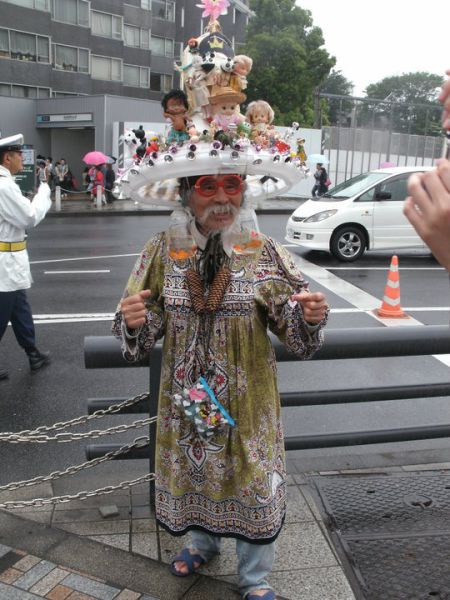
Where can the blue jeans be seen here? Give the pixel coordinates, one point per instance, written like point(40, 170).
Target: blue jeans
point(255, 561)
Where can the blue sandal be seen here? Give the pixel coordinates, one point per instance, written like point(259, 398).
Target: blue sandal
point(269, 595)
point(188, 558)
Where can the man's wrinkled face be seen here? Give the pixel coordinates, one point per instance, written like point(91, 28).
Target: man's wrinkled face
point(215, 201)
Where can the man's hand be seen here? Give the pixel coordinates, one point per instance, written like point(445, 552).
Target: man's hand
point(314, 306)
point(134, 310)
point(428, 209)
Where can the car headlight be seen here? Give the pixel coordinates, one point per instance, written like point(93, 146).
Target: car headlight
point(321, 216)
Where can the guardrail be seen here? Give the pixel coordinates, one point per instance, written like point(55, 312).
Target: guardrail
point(372, 342)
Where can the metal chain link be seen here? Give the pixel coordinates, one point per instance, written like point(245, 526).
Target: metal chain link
point(140, 442)
point(11, 504)
point(98, 414)
point(66, 436)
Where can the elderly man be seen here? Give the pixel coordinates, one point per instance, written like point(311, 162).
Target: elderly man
point(17, 213)
point(214, 306)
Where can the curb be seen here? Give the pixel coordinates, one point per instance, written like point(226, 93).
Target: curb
point(155, 213)
point(115, 566)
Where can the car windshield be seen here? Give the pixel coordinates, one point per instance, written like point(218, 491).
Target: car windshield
point(353, 186)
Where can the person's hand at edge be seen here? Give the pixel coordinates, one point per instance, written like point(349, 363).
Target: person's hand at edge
point(428, 209)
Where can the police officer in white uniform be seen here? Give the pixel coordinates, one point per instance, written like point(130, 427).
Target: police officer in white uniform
point(17, 214)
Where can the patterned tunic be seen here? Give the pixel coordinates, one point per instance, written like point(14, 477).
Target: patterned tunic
point(234, 484)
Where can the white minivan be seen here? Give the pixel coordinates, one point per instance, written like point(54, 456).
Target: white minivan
point(362, 213)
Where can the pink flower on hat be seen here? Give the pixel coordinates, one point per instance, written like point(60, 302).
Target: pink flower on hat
point(214, 8)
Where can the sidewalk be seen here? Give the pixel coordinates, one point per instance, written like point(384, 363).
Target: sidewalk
point(69, 552)
point(81, 205)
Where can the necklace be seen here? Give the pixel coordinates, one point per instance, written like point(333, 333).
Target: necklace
point(212, 301)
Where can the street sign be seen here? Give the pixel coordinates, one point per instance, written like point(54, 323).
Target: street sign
point(26, 178)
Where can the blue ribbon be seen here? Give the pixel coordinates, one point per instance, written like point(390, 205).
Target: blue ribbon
point(210, 393)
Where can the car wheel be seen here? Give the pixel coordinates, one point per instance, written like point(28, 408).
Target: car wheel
point(348, 243)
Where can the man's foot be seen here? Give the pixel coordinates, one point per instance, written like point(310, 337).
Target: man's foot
point(4, 374)
point(38, 359)
point(188, 561)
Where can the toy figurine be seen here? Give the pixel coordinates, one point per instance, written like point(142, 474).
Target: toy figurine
point(140, 135)
point(197, 83)
point(301, 150)
point(260, 116)
point(225, 103)
point(175, 105)
point(242, 67)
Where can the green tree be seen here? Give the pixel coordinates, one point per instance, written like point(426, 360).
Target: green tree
point(337, 110)
point(416, 109)
point(289, 60)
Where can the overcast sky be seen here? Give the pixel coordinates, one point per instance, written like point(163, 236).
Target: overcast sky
point(380, 38)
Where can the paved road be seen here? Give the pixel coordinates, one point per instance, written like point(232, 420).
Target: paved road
point(104, 249)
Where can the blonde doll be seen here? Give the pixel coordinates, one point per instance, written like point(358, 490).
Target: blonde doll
point(260, 116)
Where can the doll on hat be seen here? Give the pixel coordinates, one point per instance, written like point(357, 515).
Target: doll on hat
point(225, 105)
point(175, 105)
point(260, 116)
point(197, 83)
point(242, 67)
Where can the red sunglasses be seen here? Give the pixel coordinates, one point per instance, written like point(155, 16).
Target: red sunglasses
point(207, 186)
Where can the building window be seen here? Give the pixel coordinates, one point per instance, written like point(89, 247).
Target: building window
point(136, 37)
point(70, 58)
point(65, 94)
point(135, 76)
point(23, 91)
point(24, 46)
point(36, 4)
point(163, 9)
point(74, 12)
point(146, 4)
point(159, 82)
point(106, 25)
point(162, 46)
point(103, 67)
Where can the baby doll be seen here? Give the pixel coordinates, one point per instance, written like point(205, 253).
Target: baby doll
point(242, 67)
point(260, 116)
point(225, 103)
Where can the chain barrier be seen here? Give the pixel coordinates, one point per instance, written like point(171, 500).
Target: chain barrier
point(140, 442)
point(38, 502)
point(71, 437)
point(14, 437)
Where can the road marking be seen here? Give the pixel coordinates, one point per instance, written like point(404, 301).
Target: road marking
point(72, 318)
point(57, 260)
point(353, 295)
point(405, 308)
point(76, 272)
point(385, 268)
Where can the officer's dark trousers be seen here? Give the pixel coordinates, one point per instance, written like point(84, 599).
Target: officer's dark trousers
point(14, 308)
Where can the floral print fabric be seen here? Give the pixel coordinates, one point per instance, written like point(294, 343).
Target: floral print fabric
point(233, 484)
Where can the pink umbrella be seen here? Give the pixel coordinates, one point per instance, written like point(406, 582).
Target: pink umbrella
point(95, 158)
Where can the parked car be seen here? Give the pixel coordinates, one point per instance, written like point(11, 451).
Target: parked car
point(362, 213)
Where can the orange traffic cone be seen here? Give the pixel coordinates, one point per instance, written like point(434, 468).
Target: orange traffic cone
point(390, 307)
